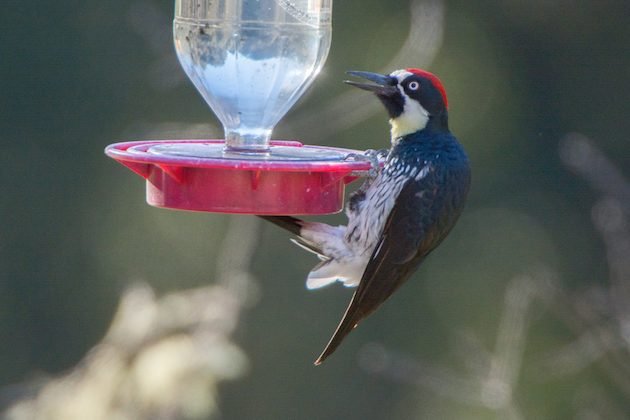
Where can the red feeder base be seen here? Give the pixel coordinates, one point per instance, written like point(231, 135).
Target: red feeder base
point(292, 179)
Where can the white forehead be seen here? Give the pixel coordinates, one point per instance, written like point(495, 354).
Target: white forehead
point(401, 75)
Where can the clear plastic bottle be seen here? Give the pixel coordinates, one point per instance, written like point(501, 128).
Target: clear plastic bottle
point(251, 60)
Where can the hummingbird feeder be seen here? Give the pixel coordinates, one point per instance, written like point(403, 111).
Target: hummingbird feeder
point(251, 61)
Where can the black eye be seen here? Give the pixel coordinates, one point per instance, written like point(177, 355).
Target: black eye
point(413, 85)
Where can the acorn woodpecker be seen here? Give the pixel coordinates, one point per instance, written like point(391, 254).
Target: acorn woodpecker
point(400, 214)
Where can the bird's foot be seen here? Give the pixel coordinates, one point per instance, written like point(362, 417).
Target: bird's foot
point(379, 154)
point(375, 157)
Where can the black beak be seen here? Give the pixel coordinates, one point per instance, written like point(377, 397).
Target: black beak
point(385, 84)
point(386, 89)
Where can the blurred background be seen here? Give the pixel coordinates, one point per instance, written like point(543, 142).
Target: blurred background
point(523, 312)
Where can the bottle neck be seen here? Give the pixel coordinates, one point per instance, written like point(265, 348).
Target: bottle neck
point(241, 140)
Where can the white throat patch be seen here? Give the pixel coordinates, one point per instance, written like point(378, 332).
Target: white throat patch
point(414, 116)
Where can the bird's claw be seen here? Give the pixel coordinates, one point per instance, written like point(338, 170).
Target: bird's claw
point(379, 154)
point(376, 157)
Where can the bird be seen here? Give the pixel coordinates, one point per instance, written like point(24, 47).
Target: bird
point(402, 212)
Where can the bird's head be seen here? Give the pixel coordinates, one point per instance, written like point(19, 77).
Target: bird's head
point(415, 99)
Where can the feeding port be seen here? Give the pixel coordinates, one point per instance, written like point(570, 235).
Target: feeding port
point(187, 175)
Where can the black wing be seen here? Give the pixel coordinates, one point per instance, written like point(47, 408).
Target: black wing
point(413, 228)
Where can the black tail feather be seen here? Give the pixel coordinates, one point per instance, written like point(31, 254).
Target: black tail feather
point(292, 224)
